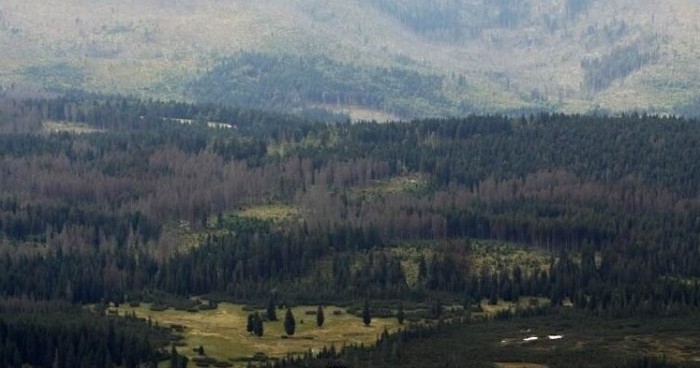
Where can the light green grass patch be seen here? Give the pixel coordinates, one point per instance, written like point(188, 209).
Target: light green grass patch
point(476, 254)
point(360, 113)
point(495, 255)
point(222, 332)
point(271, 212)
point(52, 126)
point(395, 185)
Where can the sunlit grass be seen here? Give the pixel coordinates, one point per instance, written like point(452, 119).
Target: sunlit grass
point(272, 212)
point(222, 332)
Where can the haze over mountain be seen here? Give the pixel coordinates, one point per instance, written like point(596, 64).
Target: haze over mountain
point(372, 58)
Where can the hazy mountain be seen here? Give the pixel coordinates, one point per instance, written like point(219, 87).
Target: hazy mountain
point(377, 58)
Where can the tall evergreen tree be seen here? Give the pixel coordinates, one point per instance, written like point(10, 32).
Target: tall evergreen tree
point(320, 318)
point(366, 315)
point(174, 358)
point(289, 322)
point(258, 329)
point(271, 310)
point(251, 323)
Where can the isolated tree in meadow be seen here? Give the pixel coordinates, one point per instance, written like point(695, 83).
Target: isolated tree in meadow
point(255, 324)
point(258, 326)
point(289, 322)
point(320, 318)
point(251, 323)
point(366, 316)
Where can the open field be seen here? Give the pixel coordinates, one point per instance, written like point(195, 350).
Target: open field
point(222, 332)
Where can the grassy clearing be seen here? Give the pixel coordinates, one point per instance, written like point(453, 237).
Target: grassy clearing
point(361, 113)
point(222, 332)
point(395, 185)
point(51, 126)
point(493, 255)
point(496, 255)
point(271, 212)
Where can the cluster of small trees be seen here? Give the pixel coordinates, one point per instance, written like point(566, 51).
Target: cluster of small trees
point(255, 320)
point(255, 324)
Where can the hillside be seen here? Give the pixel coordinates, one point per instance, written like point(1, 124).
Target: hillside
point(473, 55)
point(476, 232)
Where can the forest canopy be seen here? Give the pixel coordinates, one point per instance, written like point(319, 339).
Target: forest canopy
point(113, 199)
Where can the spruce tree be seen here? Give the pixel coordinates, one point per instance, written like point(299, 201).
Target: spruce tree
point(258, 329)
point(366, 316)
point(174, 358)
point(289, 322)
point(271, 310)
point(320, 318)
point(251, 323)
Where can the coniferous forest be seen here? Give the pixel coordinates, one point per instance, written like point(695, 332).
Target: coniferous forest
point(109, 200)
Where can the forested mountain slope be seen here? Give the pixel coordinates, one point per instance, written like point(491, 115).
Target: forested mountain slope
point(124, 201)
point(465, 55)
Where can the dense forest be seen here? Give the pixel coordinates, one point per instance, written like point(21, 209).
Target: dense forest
point(58, 334)
point(96, 193)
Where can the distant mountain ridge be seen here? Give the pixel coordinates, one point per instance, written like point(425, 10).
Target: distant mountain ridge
point(462, 55)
